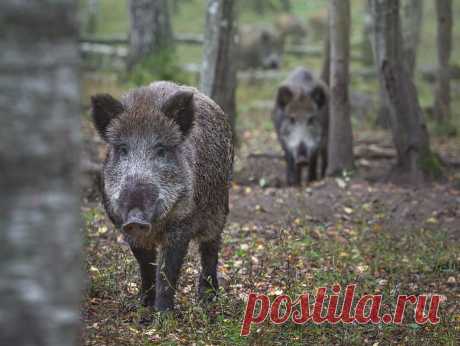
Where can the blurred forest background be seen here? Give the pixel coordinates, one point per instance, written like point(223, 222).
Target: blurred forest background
point(188, 17)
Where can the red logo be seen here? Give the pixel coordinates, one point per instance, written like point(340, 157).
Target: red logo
point(365, 310)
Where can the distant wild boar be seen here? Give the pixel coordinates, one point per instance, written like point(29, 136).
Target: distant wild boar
point(291, 27)
point(165, 180)
point(300, 118)
point(259, 48)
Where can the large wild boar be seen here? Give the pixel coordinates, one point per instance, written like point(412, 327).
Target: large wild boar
point(300, 118)
point(165, 180)
point(259, 48)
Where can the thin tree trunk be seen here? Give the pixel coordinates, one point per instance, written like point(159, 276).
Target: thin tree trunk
point(92, 16)
point(383, 112)
point(367, 54)
point(410, 136)
point(218, 76)
point(150, 29)
point(326, 68)
point(444, 42)
point(39, 205)
point(340, 132)
point(412, 15)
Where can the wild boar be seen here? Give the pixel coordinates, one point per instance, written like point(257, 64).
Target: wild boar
point(259, 48)
point(300, 118)
point(165, 180)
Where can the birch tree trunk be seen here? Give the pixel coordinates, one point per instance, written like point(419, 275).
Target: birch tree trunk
point(218, 75)
point(415, 162)
point(340, 156)
point(412, 15)
point(444, 42)
point(39, 205)
point(150, 29)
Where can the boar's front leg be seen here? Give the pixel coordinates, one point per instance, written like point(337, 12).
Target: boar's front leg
point(146, 259)
point(169, 265)
point(208, 284)
point(312, 170)
point(294, 171)
point(323, 161)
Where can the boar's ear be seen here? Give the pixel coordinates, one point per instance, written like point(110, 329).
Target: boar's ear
point(284, 96)
point(103, 109)
point(179, 107)
point(319, 96)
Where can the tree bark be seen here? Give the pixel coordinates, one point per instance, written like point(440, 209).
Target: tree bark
point(412, 15)
point(93, 12)
point(39, 205)
point(383, 113)
point(150, 29)
point(218, 75)
point(444, 42)
point(367, 54)
point(326, 68)
point(340, 132)
point(415, 162)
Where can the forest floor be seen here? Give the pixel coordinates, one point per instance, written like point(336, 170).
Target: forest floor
point(384, 238)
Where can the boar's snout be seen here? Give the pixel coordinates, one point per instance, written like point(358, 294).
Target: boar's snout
point(302, 154)
point(138, 204)
point(274, 65)
point(136, 221)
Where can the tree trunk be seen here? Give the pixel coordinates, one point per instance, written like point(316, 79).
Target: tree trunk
point(412, 15)
point(415, 161)
point(340, 132)
point(39, 205)
point(444, 42)
point(150, 29)
point(326, 68)
point(383, 112)
point(92, 16)
point(218, 75)
point(367, 54)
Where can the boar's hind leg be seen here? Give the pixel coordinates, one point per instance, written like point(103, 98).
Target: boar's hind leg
point(208, 284)
point(312, 167)
point(146, 259)
point(169, 265)
point(294, 171)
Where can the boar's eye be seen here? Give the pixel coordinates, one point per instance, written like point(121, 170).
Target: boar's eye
point(122, 149)
point(311, 121)
point(160, 151)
